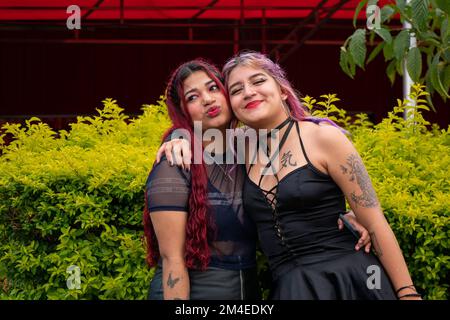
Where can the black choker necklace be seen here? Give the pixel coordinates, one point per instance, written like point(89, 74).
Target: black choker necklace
point(280, 126)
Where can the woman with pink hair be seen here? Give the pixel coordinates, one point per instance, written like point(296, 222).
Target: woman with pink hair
point(295, 194)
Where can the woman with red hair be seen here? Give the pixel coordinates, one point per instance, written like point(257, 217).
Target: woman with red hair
point(197, 233)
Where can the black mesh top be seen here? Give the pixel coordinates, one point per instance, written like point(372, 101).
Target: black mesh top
point(233, 237)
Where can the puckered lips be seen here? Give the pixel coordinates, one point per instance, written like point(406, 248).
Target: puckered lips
point(214, 111)
point(253, 104)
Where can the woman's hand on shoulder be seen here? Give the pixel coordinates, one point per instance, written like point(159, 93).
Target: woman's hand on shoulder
point(177, 151)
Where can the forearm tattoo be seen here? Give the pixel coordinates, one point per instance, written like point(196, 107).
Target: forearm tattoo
point(376, 245)
point(356, 171)
point(172, 282)
point(286, 159)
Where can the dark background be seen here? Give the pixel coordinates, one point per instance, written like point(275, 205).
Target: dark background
point(43, 74)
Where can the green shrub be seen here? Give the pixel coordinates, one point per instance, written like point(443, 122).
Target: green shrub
point(76, 198)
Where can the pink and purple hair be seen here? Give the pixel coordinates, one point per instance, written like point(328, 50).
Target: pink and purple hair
point(258, 60)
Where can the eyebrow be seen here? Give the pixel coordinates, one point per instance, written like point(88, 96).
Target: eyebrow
point(195, 89)
point(251, 77)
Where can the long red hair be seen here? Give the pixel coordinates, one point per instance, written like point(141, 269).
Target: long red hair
point(199, 223)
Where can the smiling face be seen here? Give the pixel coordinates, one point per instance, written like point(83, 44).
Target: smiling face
point(205, 101)
point(256, 98)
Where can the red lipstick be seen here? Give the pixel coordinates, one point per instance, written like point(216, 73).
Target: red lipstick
point(213, 111)
point(253, 104)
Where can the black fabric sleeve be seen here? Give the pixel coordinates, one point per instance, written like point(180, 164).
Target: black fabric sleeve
point(167, 188)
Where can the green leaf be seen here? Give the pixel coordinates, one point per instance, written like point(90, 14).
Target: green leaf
point(430, 90)
point(436, 79)
point(444, 5)
point(401, 44)
point(420, 12)
point(375, 52)
point(401, 4)
point(399, 67)
point(351, 64)
point(430, 37)
point(445, 26)
point(343, 62)
point(430, 34)
point(390, 71)
point(388, 51)
point(385, 34)
point(371, 38)
point(361, 4)
point(446, 78)
point(357, 47)
point(386, 12)
point(414, 64)
point(447, 56)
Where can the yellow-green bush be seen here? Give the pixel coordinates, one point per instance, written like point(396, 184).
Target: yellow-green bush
point(409, 167)
point(76, 198)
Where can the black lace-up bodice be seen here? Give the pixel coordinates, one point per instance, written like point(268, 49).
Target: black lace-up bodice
point(298, 215)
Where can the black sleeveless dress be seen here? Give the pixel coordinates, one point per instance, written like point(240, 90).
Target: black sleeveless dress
point(309, 257)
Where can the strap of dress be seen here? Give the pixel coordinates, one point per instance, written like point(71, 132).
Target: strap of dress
point(280, 126)
point(269, 164)
point(301, 142)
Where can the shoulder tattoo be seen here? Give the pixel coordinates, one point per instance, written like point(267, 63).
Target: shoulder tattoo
point(356, 172)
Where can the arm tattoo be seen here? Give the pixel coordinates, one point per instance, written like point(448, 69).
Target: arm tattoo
point(376, 245)
point(286, 159)
point(355, 169)
point(172, 282)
